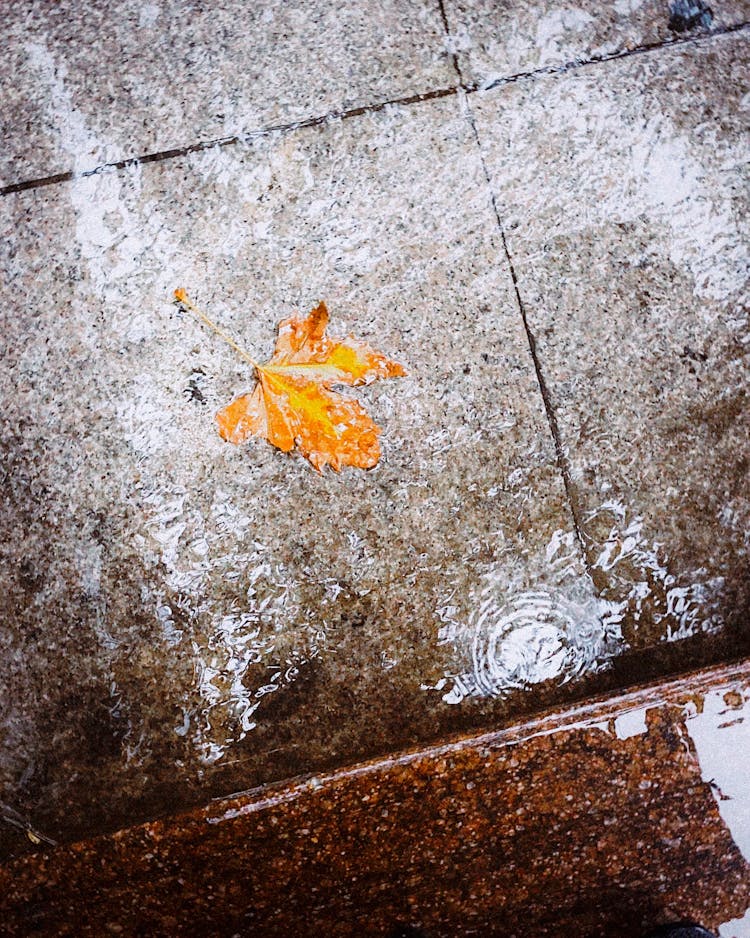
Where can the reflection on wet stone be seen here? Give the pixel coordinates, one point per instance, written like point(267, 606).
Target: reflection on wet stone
point(237, 616)
point(186, 618)
point(632, 263)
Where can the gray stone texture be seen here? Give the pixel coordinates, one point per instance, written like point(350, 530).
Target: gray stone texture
point(89, 83)
point(184, 615)
point(496, 39)
point(624, 195)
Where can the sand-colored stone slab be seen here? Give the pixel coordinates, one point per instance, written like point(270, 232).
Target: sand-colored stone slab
point(624, 194)
point(84, 84)
point(185, 617)
point(496, 40)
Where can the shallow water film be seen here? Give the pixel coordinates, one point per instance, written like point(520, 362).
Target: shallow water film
point(543, 219)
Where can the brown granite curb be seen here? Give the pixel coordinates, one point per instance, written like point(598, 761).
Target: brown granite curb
point(557, 825)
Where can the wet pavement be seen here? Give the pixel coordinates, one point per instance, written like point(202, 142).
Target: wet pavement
point(559, 259)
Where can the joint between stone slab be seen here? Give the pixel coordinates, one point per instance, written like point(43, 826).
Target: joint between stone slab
point(220, 142)
point(462, 87)
point(561, 458)
point(454, 54)
point(618, 54)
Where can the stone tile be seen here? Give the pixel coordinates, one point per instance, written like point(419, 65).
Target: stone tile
point(495, 40)
point(83, 84)
point(189, 618)
point(624, 195)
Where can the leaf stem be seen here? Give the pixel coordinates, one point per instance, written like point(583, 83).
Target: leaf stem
point(184, 300)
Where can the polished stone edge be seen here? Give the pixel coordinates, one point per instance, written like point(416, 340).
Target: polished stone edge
point(639, 799)
point(598, 709)
point(314, 121)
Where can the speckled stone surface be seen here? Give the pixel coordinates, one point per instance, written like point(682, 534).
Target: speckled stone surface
point(186, 616)
point(608, 819)
point(624, 195)
point(495, 41)
point(84, 84)
point(181, 618)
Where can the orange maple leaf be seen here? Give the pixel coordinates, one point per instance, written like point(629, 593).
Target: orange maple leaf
point(294, 402)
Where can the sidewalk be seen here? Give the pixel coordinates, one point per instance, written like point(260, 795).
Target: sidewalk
point(542, 213)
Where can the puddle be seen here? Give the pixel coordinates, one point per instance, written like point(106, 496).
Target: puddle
point(535, 636)
point(225, 600)
point(640, 583)
point(515, 638)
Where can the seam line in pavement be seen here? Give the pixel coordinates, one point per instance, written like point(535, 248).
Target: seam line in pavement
point(561, 458)
point(230, 141)
point(576, 64)
point(233, 140)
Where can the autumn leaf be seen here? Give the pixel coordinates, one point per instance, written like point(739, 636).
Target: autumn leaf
point(294, 404)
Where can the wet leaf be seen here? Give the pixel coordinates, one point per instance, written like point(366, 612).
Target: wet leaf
point(294, 402)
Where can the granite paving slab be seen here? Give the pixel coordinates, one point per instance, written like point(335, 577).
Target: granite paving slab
point(183, 617)
point(89, 83)
point(623, 192)
point(497, 40)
